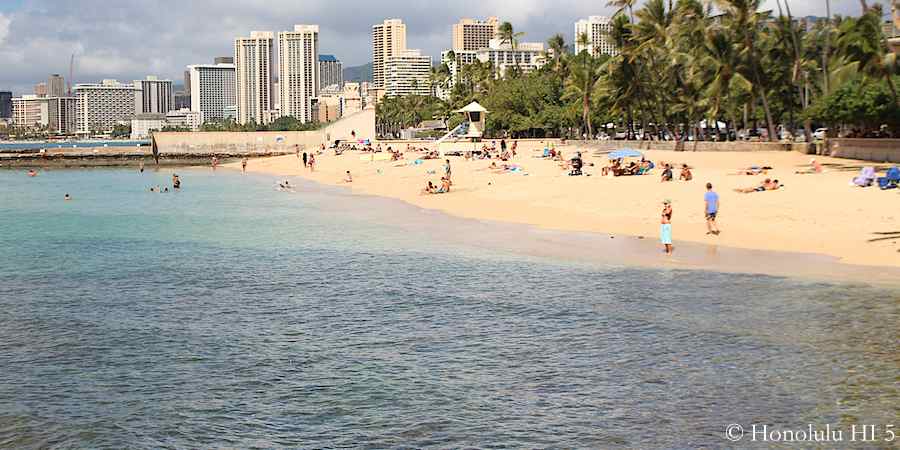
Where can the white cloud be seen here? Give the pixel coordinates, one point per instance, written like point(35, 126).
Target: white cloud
point(128, 39)
point(4, 28)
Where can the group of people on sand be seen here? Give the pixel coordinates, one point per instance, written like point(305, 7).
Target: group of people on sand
point(431, 188)
point(767, 185)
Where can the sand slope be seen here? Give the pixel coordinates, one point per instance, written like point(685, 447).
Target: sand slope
point(817, 213)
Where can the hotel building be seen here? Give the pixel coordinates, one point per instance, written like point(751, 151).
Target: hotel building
point(407, 73)
point(298, 71)
point(156, 96)
point(471, 34)
point(253, 61)
point(331, 72)
point(101, 106)
point(597, 29)
point(212, 90)
point(388, 39)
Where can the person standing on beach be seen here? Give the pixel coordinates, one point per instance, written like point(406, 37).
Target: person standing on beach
point(665, 231)
point(244, 165)
point(305, 160)
point(311, 163)
point(447, 168)
point(712, 209)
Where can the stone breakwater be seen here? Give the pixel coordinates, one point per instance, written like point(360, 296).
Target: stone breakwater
point(127, 156)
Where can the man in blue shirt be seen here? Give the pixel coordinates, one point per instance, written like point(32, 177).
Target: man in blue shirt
point(712, 209)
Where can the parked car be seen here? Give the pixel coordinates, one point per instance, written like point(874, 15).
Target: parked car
point(820, 134)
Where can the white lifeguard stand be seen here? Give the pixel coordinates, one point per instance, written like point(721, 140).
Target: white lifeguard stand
point(476, 116)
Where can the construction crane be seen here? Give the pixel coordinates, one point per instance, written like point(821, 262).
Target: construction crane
point(71, 71)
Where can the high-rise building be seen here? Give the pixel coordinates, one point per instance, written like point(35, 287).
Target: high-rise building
point(407, 73)
point(29, 111)
point(331, 72)
point(526, 56)
point(253, 61)
point(61, 115)
point(223, 60)
point(471, 34)
point(156, 96)
point(56, 86)
point(599, 41)
point(388, 39)
point(212, 90)
point(101, 106)
point(5, 105)
point(187, 82)
point(40, 90)
point(298, 71)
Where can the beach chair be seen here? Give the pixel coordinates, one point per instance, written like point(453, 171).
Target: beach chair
point(890, 180)
point(866, 177)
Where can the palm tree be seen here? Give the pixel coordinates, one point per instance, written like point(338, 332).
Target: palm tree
point(558, 48)
point(622, 5)
point(746, 22)
point(584, 80)
point(507, 34)
point(862, 44)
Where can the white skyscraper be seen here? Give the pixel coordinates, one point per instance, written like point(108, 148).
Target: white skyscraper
point(101, 106)
point(407, 73)
point(298, 71)
point(388, 39)
point(253, 77)
point(212, 90)
point(597, 29)
point(156, 96)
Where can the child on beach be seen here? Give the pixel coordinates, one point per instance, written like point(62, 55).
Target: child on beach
point(665, 230)
point(686, 174)
point(311, 163)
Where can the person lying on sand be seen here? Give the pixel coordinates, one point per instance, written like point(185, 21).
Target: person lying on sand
point(686, 174)
point(429, 189)
point(814, 167)
point(753, 170)
point(767, 185)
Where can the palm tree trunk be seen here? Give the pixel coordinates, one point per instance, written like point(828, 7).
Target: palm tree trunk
point(586, 115)
point(769, 123)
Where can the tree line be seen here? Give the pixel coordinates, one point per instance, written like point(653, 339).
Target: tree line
point(679, 64)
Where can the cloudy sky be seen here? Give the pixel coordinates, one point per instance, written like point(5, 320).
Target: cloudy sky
point(128, 39)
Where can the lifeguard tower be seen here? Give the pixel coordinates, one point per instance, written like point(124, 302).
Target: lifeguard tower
point(470, 130)
point(475, 116)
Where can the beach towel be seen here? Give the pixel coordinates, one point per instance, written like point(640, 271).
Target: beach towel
point(891, 179)
point(866, 177)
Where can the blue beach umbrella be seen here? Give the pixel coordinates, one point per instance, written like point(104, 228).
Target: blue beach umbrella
point(625, 153)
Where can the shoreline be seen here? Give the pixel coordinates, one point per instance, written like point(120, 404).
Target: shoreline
point(616, 246)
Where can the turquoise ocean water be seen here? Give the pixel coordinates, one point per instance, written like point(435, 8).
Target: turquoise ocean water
point(233, 315)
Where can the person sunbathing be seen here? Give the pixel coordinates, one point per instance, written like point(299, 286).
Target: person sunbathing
point(429, 189)
point(767, 185)
point(753, 170)
point(686, 174)
point(814, 167)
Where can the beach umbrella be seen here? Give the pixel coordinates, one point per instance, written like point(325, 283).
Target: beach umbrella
point(625, 153)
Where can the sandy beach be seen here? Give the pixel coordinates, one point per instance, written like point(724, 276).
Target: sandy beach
point(813, 213)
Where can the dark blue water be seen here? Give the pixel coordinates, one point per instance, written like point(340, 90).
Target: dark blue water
point(231, 315)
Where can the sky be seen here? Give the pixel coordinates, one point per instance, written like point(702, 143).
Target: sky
point(129, 39)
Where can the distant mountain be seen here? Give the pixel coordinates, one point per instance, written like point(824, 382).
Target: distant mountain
point(358, 73)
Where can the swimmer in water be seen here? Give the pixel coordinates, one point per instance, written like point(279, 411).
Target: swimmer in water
point(67, 197)
point(176, 182)
point(32, 173)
